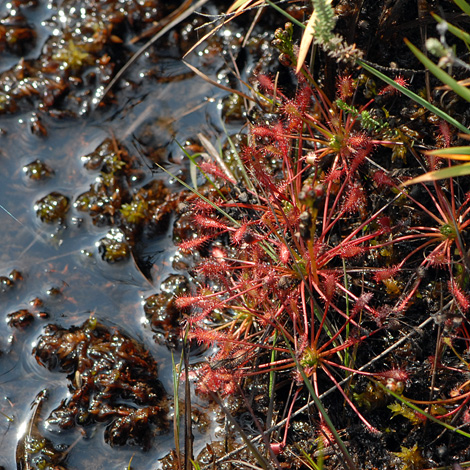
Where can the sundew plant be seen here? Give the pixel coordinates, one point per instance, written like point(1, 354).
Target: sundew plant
point(315, 266)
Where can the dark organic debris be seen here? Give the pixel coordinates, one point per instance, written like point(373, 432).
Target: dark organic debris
point(75, 63)
point(33, 451)
point(113, 380)
point(52, 208)
point(162, 313)
point(20, 319)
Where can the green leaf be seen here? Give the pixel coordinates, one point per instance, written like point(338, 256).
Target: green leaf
point(453, 153)
point(461, 34)
point(451, 172)
point(463, 5)
point(444, 77)
point(289, 17)
point(418, 99)
point(238, 4)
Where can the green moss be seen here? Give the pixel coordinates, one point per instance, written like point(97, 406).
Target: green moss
point(113, 247)
point(37, 170)
point(412, 458)
point(399, 409)
point(52, 208)
point(72, 56)
point(135, 212)
point(371, 398)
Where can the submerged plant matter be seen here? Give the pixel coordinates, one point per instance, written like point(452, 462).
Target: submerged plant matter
point(112, 380)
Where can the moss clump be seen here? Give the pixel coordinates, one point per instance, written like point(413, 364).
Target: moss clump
point(412, 458)
point(52, 208)
point(73, 56)
point(113, 247)
point(37, 170)
point(135, 212)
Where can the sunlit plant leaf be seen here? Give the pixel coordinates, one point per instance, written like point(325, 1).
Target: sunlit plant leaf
point(463, 5)
point(418, 99)
point(240, 5)
point(453, 153)
point(444, 77)
point(451, 172)
point(464, 36)
point(306, 42)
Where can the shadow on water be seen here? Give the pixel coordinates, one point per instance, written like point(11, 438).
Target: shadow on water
point(55, 272)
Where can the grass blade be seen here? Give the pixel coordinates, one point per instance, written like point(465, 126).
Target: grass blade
point(444, 77)
point(464, 36)
point(418, 99)
point(463, 5)
point(306, 42)
point(453, 153)
point(420, 411)
point(451, 172)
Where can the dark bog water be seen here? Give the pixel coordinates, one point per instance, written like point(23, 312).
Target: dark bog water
point(54, 273)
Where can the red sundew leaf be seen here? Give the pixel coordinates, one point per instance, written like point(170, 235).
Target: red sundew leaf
point(279, 134)
point(185, 301)
point(189, 245)
point(363, 301)
point(207, 336)
point(214, 170)
point(438, 259)
point(335, 174)
point(384, 274)
point(351, 251)
point(209, 222)
point(303, 98)
point(445, 133)
point(359, 140)
point(359, 157)
point(291, 110)
point(400, 375)
point(266, 83)
point(382, 179)
point(239, 234)
point(354, 199)
point(214, 269)
point(284, 254)
point(461, 298)
point(198, 317)
point(262, 131)
point(329, 284)
point(391, 90)
point(345, 87)
point(199, 206)
point(218, 254)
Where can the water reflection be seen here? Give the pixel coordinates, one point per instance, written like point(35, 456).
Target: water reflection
point(60, 263)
